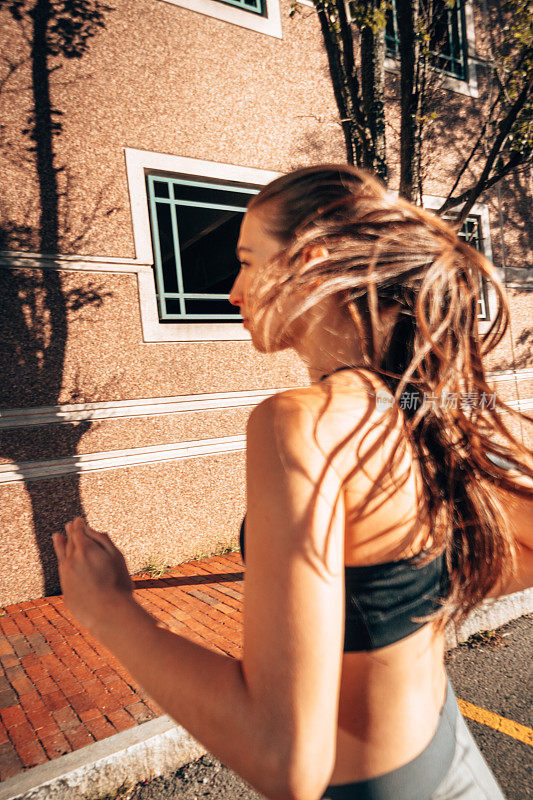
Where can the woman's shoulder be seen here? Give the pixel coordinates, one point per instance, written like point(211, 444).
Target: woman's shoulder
point(341, 408)
point(347, 390)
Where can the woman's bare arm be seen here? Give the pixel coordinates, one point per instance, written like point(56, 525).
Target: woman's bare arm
point(293, 620)
point(519, 511)
point(271, 716)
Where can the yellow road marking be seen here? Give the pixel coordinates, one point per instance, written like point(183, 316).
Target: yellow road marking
point(508, 726)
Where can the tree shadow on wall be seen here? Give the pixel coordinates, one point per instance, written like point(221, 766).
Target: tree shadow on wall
point(517, 186)
point(524, 343)
point(34, 302)
point(523, 350)
point(523, 347)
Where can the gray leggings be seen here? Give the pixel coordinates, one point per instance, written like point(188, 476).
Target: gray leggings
point(451, 767)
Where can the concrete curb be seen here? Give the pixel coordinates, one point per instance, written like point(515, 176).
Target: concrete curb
point(160, 747)
point(154, 748)
point(493, 613)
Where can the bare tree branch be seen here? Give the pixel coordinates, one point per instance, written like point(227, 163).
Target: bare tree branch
point(470, 196)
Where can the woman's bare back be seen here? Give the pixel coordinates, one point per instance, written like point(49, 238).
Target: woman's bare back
point(390, 697)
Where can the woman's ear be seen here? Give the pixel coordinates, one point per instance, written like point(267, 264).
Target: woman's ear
point(313, 253)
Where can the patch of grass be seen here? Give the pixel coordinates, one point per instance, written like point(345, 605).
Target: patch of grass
point(218, 551)
point(155, 567)
point(484, 639)
point(122, 793)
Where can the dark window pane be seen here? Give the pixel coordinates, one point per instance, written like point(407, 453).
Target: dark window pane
point(161, 189)
point(391, 37)
point(470, 232)
point(201, 194)
point(211, 307)
point(166, 243)
point(446, 30)
point(173, 305)
point(207, 246)
point(206, 237)
point(440, 40)
point(257, 6)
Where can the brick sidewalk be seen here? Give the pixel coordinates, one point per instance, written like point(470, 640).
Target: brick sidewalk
point(61, 690)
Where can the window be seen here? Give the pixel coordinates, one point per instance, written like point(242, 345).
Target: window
point(476, 231)
point(447, 37)
point(195, 227)
point(255, 6)
point(471, 233)
point(195, 187)
point(262, 16)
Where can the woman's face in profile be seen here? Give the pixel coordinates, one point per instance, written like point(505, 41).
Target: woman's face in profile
point(255, 249)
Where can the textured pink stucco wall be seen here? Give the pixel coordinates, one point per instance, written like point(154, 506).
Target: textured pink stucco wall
point(101, 355)
point(164, 79)
point(169, 512)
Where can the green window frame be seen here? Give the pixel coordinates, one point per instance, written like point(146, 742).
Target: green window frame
point(471, 233)
point(176, 196)
point(254, 6)
point(447, 42)
point(171, 202)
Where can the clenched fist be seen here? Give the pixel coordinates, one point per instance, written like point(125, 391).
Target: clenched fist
point(93, 574)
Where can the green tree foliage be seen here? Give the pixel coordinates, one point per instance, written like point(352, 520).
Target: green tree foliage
point(354, 34)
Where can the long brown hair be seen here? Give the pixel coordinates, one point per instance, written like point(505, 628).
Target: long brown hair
point(383, 250)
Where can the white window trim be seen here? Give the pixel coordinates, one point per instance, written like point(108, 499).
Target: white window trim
point(138, 164)
point(481, 210)
point(269, 25)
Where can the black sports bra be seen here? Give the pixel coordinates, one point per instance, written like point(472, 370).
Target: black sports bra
point(383, 601)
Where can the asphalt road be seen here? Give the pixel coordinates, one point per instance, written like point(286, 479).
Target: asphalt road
point(498, 675)
point(492, 671)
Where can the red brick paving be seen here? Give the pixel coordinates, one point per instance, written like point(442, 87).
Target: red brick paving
point(61, 690)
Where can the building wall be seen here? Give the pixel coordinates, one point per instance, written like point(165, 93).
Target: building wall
point(146, 438)
point(170, 503)
point(165, 79)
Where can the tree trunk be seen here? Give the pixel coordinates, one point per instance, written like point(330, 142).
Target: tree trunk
point(340, 88)
point(373, 89)
point(338, 41)
point(43, 130)
point(360, 127)
point(407, 15)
